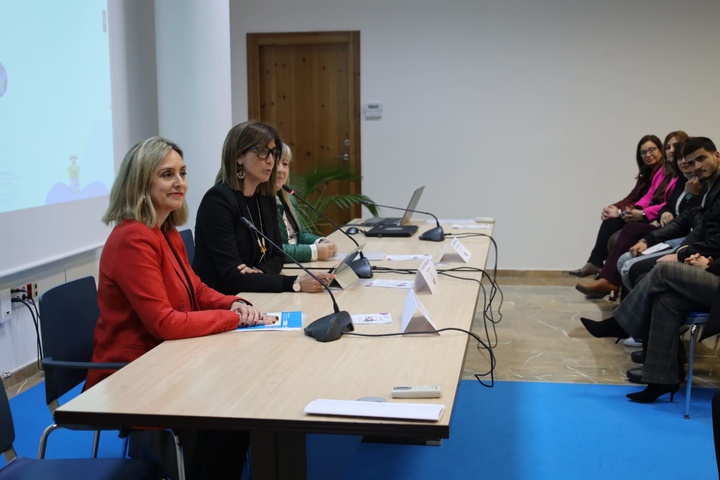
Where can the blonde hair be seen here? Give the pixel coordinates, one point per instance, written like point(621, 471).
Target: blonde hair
point(285, 196)
point(130, 198)
point(239, 140)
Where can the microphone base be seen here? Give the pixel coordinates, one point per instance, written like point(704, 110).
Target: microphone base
point(433, 235)
point(362, 268)
point(330, 327)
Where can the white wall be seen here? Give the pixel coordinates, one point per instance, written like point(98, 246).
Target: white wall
point(525, 110)
point(193, 41)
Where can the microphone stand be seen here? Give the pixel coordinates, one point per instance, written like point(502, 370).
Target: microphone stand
point(435, 234)
point(361, 265)
point(324, 329)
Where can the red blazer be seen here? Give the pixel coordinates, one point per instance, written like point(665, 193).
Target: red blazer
point(144, 297)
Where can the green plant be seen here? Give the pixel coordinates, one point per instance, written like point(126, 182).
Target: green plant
point(313, 187)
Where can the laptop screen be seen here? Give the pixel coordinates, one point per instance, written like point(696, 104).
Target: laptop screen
point(414, 200)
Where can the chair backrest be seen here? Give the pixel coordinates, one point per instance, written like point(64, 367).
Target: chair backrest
point(7, 429)
point(68, 315)
point(189, 242)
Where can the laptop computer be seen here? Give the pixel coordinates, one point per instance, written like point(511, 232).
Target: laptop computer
point(392, 231)
point(414, 200)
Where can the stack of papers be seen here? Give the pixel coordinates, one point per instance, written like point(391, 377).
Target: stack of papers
point(357, 408)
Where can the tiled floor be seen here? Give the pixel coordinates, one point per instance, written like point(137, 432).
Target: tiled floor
point(540, 338)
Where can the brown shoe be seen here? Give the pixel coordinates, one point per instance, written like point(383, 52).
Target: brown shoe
point(586, 270)
point(596, 289)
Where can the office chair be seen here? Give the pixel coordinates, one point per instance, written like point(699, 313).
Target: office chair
point(19, 468)
point(696, 321)
point(187, 236)
point(68, 315)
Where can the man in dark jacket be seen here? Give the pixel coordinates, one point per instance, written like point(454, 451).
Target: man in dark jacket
point(700, 226)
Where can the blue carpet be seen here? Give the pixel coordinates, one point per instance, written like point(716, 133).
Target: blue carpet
point(31, 416)
point(542, 431)
point(516, 430)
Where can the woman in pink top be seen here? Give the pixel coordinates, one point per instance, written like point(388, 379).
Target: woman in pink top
point(643, 216)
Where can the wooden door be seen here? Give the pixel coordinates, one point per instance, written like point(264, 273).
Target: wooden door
point(307, 85)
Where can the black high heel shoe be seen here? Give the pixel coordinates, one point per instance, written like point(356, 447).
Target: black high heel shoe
point(652, 392)
point(608, 328)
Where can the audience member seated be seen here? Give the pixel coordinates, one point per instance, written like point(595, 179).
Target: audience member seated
point(612, 215)
point(700, 226)
point(655, 310)
point(685, 196)
point(229, 256)
point(297, 242)
point(148, 293)
point(642, 218)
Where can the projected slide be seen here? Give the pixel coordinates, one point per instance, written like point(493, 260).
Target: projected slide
point(55, 111)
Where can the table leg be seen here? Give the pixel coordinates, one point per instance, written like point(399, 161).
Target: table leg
point(278, 455)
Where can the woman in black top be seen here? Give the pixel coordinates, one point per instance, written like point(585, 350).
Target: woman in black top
point(229, 256)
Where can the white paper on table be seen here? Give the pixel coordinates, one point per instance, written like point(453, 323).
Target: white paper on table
point(426, 277)
point(357, 408)
point(415, 256)
point(371, 318)
point(478, 226)
point(415, 317)
point(387, 283)
point(655, 248)
point(374, 255)
point(446, 221)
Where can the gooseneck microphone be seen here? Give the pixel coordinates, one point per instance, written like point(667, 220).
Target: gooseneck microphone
point(434, 234)
point(361, 265)
point(324, 329)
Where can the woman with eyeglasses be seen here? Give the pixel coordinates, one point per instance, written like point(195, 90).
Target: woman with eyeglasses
point(642, 218)
point(297, 242)
point(229, 256)
point(648, 156)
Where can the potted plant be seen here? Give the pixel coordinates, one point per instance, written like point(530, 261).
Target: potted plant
point(315, 187)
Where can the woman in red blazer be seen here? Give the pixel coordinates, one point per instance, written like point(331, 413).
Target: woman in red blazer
point(148, 292)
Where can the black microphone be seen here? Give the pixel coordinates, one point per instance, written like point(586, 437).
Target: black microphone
point(361, 265)
point(434, 234)
point(324, 329)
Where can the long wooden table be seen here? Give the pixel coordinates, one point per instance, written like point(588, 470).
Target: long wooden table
point(262, 381)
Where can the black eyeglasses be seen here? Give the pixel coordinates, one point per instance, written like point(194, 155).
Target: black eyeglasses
point(264, 153)
point(649, 151)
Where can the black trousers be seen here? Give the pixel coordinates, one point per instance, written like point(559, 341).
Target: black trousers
point(209, 454)
point(641, 268)
point(600, 251)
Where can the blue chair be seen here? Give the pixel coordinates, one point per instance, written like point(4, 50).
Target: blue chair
point(24, 468)
point(694, 320)
point(68, 315)
point(189, 242)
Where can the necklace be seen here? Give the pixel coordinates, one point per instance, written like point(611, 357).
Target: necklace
point(260, 239)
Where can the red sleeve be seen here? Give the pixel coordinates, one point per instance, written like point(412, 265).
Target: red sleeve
point(143, 269)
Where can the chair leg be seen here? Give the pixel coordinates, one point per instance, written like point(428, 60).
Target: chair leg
point(96, 443)
point(43, 439)
point(180, 456)
point(691, 359)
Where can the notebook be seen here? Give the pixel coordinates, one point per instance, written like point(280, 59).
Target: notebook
point(414, 200)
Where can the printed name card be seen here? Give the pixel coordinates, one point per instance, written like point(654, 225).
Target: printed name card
point(415, 317)
point(456, 247)
point(426, 277)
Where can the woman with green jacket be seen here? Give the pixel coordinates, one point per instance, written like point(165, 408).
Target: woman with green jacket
point(297, 242)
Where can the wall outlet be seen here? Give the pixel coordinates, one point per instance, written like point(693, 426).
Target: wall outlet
point(5, 306)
